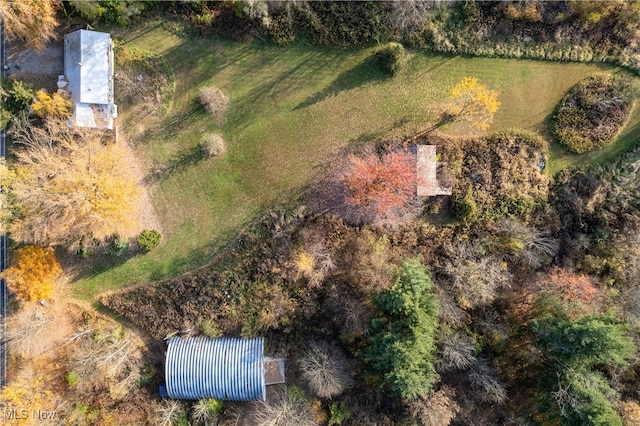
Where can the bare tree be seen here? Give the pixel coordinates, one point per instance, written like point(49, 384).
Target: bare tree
point(26, 331)
point(326, 369)
point(170, 411)
point(457, 352)
point(477, 281)
point(106, 358)
point(483, 378)
point(410, 15)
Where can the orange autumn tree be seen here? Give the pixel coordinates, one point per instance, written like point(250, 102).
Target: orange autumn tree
point(575, 291)
point(33, 273)
point(473, 103)
point(572, 288)
point(381, 185)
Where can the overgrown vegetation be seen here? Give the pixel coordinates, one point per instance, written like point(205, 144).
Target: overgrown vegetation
point(144, 81)
point(592, 112)
point(501, 175)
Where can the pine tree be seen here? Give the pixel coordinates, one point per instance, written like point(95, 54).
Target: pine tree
point(402, 344)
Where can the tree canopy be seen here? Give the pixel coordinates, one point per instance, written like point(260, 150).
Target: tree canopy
point(31, 20)
point(69, 185)
point(473, 103)
point(381, 185)
point(573, 350)
point(403, 334)
point(33, 273)
point(54, 105)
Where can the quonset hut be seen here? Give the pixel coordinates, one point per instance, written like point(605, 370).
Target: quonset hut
point(223, 368)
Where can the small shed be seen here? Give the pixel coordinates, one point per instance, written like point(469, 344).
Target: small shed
point(430, 172)
point(88, 78)
point(224, 368)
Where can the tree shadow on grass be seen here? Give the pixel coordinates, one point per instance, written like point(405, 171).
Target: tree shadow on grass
point(365, 72)
point(179, 162)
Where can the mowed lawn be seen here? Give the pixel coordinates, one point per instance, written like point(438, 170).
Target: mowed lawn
point(291, 109)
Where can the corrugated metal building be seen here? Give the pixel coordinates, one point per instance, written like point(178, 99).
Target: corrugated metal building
point(223, 368)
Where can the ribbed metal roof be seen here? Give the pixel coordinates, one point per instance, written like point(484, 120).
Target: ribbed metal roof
point(223, 368)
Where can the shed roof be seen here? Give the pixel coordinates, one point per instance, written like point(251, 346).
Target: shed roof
point(223, 368)
point(427, 171)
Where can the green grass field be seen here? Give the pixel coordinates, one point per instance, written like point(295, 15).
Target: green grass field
point(291, 109)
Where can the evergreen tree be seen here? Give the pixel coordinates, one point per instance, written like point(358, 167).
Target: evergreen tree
point(402, 345)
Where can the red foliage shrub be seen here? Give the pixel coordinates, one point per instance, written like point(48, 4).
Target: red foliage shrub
point(576, 292)
point(381, 185)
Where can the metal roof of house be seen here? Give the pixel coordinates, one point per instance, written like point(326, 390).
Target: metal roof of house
point(88, 66)
point(222, 368)
point(88, 69)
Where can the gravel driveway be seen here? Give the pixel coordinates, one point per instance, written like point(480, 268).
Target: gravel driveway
point(38, 68)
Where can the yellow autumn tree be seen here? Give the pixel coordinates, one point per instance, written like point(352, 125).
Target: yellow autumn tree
point(31, 20)
point(33, 273)
point(55, 105)
point(69, 186)
point(473, 103)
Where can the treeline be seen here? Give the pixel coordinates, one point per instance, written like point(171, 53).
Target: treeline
point(563, 30)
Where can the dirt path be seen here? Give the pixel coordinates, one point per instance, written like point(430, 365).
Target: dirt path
point(144, 209)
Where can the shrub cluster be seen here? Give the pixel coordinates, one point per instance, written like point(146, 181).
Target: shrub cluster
point(592, 112)
point(213, 145)
point(391, 58)
point(215, 102)
point(145, 79)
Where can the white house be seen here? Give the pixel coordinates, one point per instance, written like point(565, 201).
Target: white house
point(88, 78)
